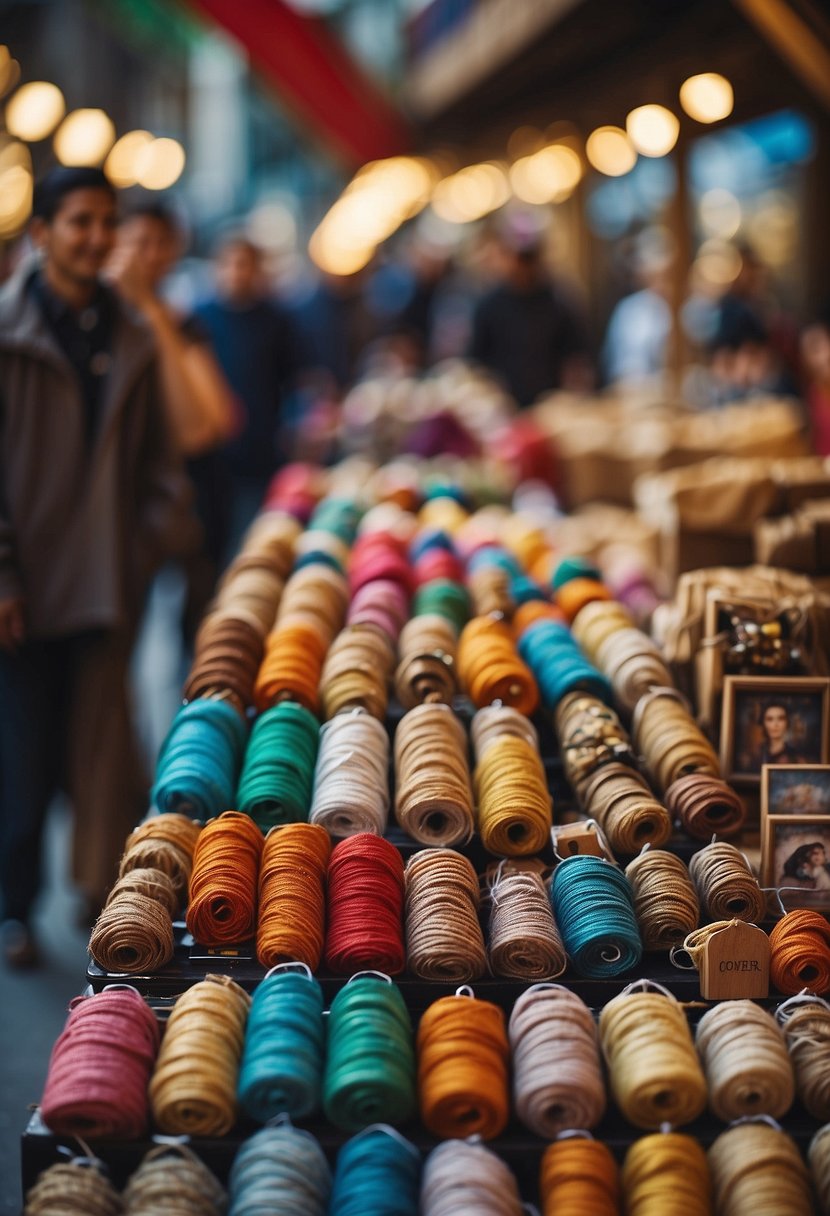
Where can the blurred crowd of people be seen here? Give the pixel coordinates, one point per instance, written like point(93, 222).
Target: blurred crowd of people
point(132, 436)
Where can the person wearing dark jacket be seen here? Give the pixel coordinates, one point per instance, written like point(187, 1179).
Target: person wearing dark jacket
point(92, 499)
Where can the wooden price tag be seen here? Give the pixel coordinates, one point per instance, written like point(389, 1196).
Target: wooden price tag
point(735, 964)
point(572, 839)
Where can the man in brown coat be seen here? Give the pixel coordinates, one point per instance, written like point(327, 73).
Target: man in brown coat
point(92, 499)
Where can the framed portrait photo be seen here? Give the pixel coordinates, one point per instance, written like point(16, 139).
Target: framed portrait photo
point(795, 789)
point(795, 857)
point(775, 721)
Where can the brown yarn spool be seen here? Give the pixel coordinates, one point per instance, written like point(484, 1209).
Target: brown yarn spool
point(805, 1021)
point(134, 931)
point(426, 670)
point(163, 842)
point(443, 935)
point(317, 595)
point(433, 795)
point(73, 1189)
point(726, 886)
point(357, 671)
point(171, 1178)
point(757, 1170)
point(672, 743)
point(227, 655)
point(152, 884)
point(665, 900)
point(705, 806)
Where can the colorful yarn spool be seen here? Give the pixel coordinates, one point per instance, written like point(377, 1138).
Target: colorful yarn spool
point(291, 666)
point(490, 668)
point(292, 895)
point(593, 905)
point(667, 1172)
point(558, 664)
point(282, 1171)
point(461, 1176)
point(365, 906)
point(578, 1177)
point(444, 597)
point(77, 1187)
point(278, 773)
point(223, 886)
point(377, 1171)
point(574, 567)
point(170, 1177)
point(199, 761)
point(800, 953)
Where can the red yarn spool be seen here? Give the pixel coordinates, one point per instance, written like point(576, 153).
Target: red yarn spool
point(100, 1067)
point(365, 906)
point(378, 555)
point(438, 563)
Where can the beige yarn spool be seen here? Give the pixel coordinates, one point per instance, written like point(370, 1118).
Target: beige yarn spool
point(757, 1170)
point(443, 935)
point(805, 1021)
point(744, 1056)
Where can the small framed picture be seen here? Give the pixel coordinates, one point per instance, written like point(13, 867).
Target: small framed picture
point(773, 720)
point(795, 833)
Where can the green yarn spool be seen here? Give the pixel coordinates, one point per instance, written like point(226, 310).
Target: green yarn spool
point(445, 597)
point(278, 773)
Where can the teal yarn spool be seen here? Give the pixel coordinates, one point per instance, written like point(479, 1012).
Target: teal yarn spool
point(558, 664)
point(285, 1039)
point(574, 567)
point(593, 905)
point(444, 597)
point(378, 1172)
point(281, 1171)
point(278, 773)
point(370, 1066)
point(198, 765)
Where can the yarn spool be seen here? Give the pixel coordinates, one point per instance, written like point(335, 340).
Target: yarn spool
point(744, 1056)
point(800, 953)
point(433, 797)
point(557, 1072)
point(578, 1176)
point(464, 1177)
point(222, 908)
point(593, 905)
point(193, 1088)
point(668, 737)
point(443, 935)
point(633, 664)
point(726, 886)
point(278, 773)
point(524, 942)
point(96, 1084)
point(654, 1073)
point(490, 668)
point(805, 1021)
point(819, 1157)
point(558, 664)
point(199, 761)
point(596, 622)
point(171, 1177)
point(292, 664)
point(365, 906)
point(377, 1171)
point(573, 595)
point(445, 598)
point(228, 650)
point(370, 1063)
point(574, 567)
point(134, 931)
point(426, 671)
point(665, 899)
point(166, 843)
point(462, 1068)
point(510, 786)
point(282, 1171)
point(351, 791)
point(73, 1187)
point(292, 895)
point(705, 806)
point(667, 1173)
point(315, 596)
point(382, 604)
point(490, 590)
point(282, 1059)
point(357, 671)
point(757, 1170)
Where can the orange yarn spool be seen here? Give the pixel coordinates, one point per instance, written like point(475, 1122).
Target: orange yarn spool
point(535, 610)
point(578, 1177)
point(491, 670)
point(800, 953)
point(292, 895)
point(462, 1068)
point(577, 592)
point(294, 655)
point(223, 885)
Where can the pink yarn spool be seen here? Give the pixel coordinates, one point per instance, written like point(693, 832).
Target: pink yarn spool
point(378, 555)
point(383, 603)
point(100, 1067)
point(438, 563)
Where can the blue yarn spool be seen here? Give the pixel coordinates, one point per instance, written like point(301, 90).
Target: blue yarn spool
point(282, 1171)
point(559, 665)
point(199, 762)
point(338, 515)
point(574, 567)
point(282, 1060)
point(377, 1171)
point(492, 555)
point(318, 557)
point(445, 490)
point(523, 589)
point(593, 905)
point(430, 538)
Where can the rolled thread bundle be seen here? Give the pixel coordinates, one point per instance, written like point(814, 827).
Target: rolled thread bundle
point(462, 1068)
point(365, 906)
point(593, 905)
point(805, 1021)
point(382, 603)
point(134, 931)
point(664, 1173)
point(96, 1084)
point(665, 899)
point(369, 1073)
point(281, 1071)
point(292, 895)
point(490, 668)
point(377, 1171)
point(579, 1177)
point(199, 761)
point(73, 1187)
point(666, 734)
point(495, 721)
point(489, 588)
point(278, 773)
point(426, 668)
point(378, 556)
point(534, 610)
point(222, 908)
point(757, 1170)
point(193, 1088)
point(227, 654)
point(744, 1057)
point(557, 1071)
point(654, 1072)
point(523, 941)
point(705, 806)
point(443, 935)
point(558, 664)
point(291, 666)
point(445, 597)
point(316, 596)
point(634, 665)
point(726, 886)
point(351, 786)
point(464, 1177)
point(171, 1178)
point(819, 1158)
point(358, 671)
point(163, 842)
point(800, 953)
point(573, 595)
point(433, 794)
point(597, 621)
point(280, 1170)
point(514, 807)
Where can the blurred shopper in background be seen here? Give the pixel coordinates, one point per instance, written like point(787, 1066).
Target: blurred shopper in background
point(254, 341)
point(815, 353)
point(93, 499)
point(526, 331)
point(636, 340)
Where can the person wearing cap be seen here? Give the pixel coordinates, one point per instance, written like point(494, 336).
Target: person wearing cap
point(92, 499)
